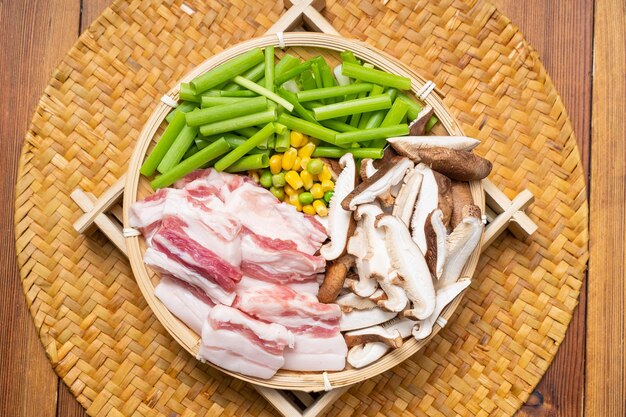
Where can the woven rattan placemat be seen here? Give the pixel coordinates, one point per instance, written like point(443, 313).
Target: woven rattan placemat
point(97, 330)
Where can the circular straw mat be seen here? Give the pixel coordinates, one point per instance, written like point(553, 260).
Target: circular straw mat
point(98, 331)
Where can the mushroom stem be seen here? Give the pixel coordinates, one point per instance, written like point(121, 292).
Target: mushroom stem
point(436, 235)
point(418, 126)
point(410, 145)
point(360, 356)
point(458, 165)
point(405, 201)
point(359, 319)
point(427, 201)
point(373, 334)
point(335, 276)
point(461, 197)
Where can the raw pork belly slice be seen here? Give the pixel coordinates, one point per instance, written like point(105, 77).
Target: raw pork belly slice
point(160, 262)
point(188, 243)
point(309, 287)
point(260, 212)
point(319, 345)
point(188, 303)
point(237, 342)
point(276, 260)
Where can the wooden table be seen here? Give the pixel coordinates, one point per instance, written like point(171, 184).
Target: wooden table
point(34, 36)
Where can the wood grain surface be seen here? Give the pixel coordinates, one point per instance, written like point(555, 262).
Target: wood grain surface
point(34, 35)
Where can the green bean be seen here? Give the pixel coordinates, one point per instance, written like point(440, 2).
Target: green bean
point(285, 64)
point(328, 79)
point(195, 161)
point(253, 74)
point(227, 70)
point(322, 93)
point(298, 108)
point(175, 153)
point(238, 123)
point(237, 153)
point(308, 128)
point(264, 92)
point(186, 93)
point(193, 149)
point(165, 142)
point(332, 152)
point(372, 134)
point(348, 56)
point(395, 116)
point(317, 74)
point(431, 122)
point(269, 68)
point(247, 132)
point(414, 108)
point(226, 111)
point(359, 105)
point(307, 82)
point(376, 90)
point(219, 101)
point(250, 162)
point(375, 76)
point(183, 107)
point(377, 117)
point(283, 141)
point(338, 126)
point(238, 93)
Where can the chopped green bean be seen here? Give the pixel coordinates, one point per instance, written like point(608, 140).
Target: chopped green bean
point(195, 161)
point(317, 74)
point(285, 64)
point(183, 107)
point(191, 151)
point(375, 76)
point(280, 128)
point(226, 111)
point(348, 56)
point(250, 162)
point(247, 132)
point(376, 90)
point(219, 101)
point(298, 108)
point(175, 153)
point(414, 108)
point(339, 126)
point(253, 74)
point(237, 153)
point(264, 92)
point(227, 70)
point(328, 79)
point(269, 68)
point(307, 82)
point(372, 134)
point(186, 93)
point(163, 145)
point(322, 93)
point(283, 141)
point(308, 128)
point(395, 116)
point(238, 123)
point(431, 122)
point(332, 152)
point(345, 108)
point(293, 72)
point(238, 93)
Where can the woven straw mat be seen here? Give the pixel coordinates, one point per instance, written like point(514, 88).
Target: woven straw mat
point(98, 331)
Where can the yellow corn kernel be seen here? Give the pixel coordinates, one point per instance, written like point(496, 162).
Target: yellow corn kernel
point(328, 185)
point(307, 179)
point(325, 174)
point(316, 190)
point(304, 162)
point(320, 208)
point(296, 138)
point(276, 164)
point(294, 200)
point(254, 175)
point(289, 157)
point(289, 190)
point(306, 151)
point(309, 209)
point(294, 180)
point(297, 164)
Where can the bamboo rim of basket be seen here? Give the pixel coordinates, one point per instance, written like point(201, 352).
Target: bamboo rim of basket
point(289, 380)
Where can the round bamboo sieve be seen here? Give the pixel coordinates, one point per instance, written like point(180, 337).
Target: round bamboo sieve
point(137, 188)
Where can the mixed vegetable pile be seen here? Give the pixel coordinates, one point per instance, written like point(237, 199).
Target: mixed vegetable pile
point(278, 121)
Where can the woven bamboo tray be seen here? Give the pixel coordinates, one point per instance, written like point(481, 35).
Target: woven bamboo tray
point(137, 187)
point(100, 334)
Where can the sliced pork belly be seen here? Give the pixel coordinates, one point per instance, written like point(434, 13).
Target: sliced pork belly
point(260, 212)
point(316, 353)
point(162, 263)
point(235, 341)
point(190, 304)
point(276, 260)
point(309, 287)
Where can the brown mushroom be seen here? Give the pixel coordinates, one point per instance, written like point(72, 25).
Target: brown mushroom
point(427, 201)
point(410, 145)
point(405, 201)
point(444, 202)
point(335, 276)
point(457, 165)
point(373, 334)
point(436, 234)
point(461, 197)
point(418, 126)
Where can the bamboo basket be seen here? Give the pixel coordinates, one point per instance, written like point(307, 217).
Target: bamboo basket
point(305, 45)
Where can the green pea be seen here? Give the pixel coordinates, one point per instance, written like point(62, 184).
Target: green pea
point(279, 193)
point(315, 166)
point(278, 180)
point(328, 195)
point(266, 179)
point(305, 198)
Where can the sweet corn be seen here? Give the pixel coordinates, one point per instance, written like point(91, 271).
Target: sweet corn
point(289, 190)
point(320, 208)
point(294, 180)
point(289, 157)
point(254, 175)
point(325, 174)
point(295, 201)
point(276, 164)
point(297, 164)
point(297, 139)
point(309, 209)
point(307, 179)
point(306, 151)
point(328, 185)
point(316, 191)
point(304, 162)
